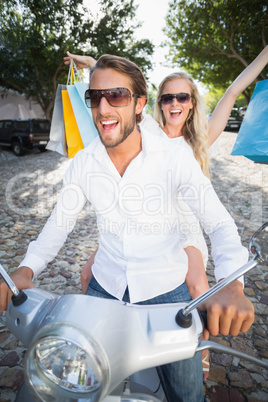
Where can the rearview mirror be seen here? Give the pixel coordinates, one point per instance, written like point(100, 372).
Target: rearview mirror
point(258, 245)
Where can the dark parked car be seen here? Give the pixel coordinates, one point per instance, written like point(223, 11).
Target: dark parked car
point(21, 135)
point(234, 122)
point(242, 110)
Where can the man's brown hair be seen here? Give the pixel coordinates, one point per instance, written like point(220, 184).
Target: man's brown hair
point(128, 68)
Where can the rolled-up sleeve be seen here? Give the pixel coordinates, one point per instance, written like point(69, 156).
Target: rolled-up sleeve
point(61, 222)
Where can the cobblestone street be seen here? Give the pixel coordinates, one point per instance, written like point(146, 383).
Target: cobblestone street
point(29, 187)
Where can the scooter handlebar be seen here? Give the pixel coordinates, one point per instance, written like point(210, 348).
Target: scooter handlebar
point(206, 345)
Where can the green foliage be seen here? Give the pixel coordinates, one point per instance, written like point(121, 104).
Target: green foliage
point(215, 94)
point(216, 40)
point(152, 92)
point(35, 35)
point(212, 98)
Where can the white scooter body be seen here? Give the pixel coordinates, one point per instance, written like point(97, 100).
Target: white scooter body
point(83, 348)
point(133, 337)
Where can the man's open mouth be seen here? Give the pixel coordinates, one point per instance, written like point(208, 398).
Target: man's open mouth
point(109, 124)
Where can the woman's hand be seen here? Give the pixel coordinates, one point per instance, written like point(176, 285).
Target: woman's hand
point(80, 61)
point(86, 273)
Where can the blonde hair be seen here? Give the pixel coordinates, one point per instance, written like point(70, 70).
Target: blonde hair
point(195, 128)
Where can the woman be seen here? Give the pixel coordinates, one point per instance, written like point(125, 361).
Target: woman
point(180, 114)
point(180, 118)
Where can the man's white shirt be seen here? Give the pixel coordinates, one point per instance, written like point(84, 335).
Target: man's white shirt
point(138, 217)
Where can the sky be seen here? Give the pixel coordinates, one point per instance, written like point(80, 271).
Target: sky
point(152, 13)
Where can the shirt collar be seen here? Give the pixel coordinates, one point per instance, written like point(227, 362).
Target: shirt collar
point(151, 142)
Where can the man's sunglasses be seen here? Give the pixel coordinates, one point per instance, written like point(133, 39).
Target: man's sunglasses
point(117, 97)
point(182, 97)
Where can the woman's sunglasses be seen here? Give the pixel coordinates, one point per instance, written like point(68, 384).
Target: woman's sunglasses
point(116, 97)
point(182, 97)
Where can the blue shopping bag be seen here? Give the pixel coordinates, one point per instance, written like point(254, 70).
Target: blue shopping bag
point(82, 114)
point(252, 138)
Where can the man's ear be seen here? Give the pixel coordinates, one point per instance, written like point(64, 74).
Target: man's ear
point(141, 102)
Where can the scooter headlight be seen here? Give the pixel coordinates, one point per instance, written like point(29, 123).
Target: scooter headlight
point(66, 364)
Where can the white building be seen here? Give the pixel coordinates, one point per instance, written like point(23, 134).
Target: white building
point(16, 106)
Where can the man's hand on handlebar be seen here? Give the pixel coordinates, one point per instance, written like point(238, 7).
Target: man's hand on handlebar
point(229, 311)
point(22, 278)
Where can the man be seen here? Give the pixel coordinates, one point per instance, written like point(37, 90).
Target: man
point(132, 178)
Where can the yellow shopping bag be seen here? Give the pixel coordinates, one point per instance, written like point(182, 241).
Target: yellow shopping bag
point(73, 137)
point(72, 126)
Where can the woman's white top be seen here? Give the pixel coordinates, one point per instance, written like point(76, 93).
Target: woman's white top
point(190, 231)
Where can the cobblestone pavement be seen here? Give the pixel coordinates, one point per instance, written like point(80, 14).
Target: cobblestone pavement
point(29, 187)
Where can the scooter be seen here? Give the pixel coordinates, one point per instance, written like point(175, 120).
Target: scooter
point(83, 348)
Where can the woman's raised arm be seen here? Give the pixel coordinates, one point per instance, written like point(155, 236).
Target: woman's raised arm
point(220, 116)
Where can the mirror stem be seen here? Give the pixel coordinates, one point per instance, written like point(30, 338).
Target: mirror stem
point(9, 281)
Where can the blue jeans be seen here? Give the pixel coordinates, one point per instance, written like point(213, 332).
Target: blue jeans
point(182, 381)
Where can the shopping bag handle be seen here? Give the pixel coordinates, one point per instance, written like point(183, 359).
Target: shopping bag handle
point(74, 75)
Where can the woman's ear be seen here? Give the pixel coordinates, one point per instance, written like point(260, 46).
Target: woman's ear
point(191, 104)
